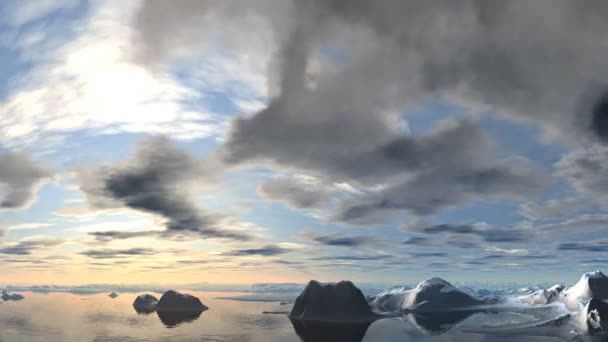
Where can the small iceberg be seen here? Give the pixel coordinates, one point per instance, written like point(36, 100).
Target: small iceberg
point(113, 295)
point(145, 303)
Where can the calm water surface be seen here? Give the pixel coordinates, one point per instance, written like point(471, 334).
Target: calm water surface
point(63, 317)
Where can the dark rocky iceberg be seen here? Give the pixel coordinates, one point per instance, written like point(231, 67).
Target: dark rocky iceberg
point(341, 302)
point(173, 301)
point(145, 303)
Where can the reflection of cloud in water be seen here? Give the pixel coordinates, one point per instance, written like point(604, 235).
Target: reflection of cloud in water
point(108, 318)
point(311, 331)
point(26, 325)
point(173, 319)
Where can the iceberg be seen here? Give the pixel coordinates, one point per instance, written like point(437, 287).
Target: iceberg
point(113, 295)
point(173, 301)
point(593, 317)
point(340, 302)
point(590, 285)
point(542, 296)
point(145, 303)
point(431, 295)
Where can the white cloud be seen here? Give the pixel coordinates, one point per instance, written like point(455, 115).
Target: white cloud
point(22, 12)
point(90, 81)
point(554, 208)
point(31, 225)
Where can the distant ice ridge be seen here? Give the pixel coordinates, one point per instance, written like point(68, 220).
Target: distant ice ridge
point(434, 294)
point(7, 296)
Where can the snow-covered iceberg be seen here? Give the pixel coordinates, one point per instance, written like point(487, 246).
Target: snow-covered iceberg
point(431, 295)
point(593, 317)
point(173, 301)
point(591, 285)
point(7, 296)
point(341, 302)
point(145, 303)
point(542, 296)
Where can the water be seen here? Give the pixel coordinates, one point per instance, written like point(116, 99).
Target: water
point(64, 317)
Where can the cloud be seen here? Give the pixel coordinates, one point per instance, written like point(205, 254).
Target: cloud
point(20, 178)
point(586, 169)
point(31, 225)
point(338, 123)
point(121, 235)
point(418, 241)
point(599, 116)
point(268, 250)
point(299, 191)
point(558, 208)
point(487, 233)
point(157, 179)
point(25, 247)
point(427, 254)
point(353, 257)
point(80, 77)
point(400, 52)
point(339, 240)
point(594, 246)
point(118, 253)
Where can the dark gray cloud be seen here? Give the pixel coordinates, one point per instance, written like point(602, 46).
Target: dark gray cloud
point(118, 253)
point(514, 57)
point(26, 247)
point(487, 233)
point(587, 170)
point(594, 246)
point(599, 116)
point(353, 257)
point(120, 235)
point(510, 58)
point(268, 250)
point(343, 129)
point(20, 178)
point(427, 254)
point(298, 191)
point(158, 179)
point(339, 240)
point(418, 241)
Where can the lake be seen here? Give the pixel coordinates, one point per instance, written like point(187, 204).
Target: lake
point(66, 317)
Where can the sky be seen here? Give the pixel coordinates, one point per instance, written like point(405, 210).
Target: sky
point(197, 141)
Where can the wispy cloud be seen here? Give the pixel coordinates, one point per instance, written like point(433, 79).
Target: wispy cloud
point(268, 250)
